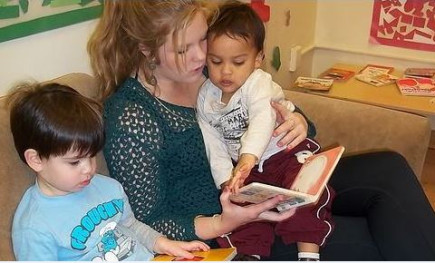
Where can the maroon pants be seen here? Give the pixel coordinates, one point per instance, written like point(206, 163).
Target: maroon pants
point(311, 224)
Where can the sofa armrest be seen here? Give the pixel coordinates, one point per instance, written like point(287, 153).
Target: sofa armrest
point(362, 127)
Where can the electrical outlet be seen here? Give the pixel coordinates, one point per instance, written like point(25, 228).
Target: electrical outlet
point(295, 57)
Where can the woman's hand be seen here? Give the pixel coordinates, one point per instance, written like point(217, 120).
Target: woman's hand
point(292, 123)
point(234, 215)
point(179, 249)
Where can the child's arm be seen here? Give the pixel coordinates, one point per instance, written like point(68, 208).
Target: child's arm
point(31, 244)
point(153, 240)
point(241, 171)
point(258, 92)
point(217, 153)
point(220, 161)
point(159, 244)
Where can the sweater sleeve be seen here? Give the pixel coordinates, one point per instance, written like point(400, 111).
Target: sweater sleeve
point(257, 93)
point(144, 233)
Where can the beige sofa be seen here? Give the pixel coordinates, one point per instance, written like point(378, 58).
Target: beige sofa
point(359, 127)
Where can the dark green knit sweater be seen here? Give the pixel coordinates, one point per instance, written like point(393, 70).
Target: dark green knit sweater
point(157, 153)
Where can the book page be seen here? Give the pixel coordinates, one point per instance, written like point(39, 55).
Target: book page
point(316, 171)
point(305, 182)
point(258, 192)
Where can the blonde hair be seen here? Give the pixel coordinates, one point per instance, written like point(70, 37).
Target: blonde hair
point(125, 25)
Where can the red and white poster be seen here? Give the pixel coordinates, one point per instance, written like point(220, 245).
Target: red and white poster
point(404, 23)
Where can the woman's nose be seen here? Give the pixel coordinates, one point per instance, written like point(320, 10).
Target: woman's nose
point(200, 52)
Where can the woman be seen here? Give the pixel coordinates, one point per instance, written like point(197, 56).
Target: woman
point(148, 57)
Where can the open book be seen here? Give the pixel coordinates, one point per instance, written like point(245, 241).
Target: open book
point(214, 254)
point(306, 188)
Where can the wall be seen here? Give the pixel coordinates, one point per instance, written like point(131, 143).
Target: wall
point(342, 33)
point(51, 54)
point(45, 55)
point(300, 31)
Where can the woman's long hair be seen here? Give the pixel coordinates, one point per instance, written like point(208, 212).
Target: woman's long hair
point(125, 25)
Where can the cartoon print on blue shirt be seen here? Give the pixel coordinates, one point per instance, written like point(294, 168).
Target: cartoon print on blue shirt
point(93, 218)
point(114, 246)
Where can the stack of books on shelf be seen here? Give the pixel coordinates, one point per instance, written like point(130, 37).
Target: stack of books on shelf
point(419, 73)
point(376, 75)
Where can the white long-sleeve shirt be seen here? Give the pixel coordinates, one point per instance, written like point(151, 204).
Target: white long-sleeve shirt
point(244, 125)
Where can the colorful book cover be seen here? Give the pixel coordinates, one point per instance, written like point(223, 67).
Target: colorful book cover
point(377, 80)
point(215, 254)
point(307, 187)
point(337, 74)
point(416, 86)
point(373, 69)
point(314, 83)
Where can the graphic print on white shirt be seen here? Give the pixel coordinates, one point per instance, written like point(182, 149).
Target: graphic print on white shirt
point(233, 125)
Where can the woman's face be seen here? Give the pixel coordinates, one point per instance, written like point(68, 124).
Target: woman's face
point(194, 53)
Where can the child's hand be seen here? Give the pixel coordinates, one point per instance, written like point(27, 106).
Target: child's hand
point(179, 249)
point(241, 171)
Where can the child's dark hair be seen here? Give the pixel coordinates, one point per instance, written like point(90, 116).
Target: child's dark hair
point(53, 119)
point(239, 20)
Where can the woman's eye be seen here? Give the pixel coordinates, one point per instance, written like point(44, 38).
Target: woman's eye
point(181, 51)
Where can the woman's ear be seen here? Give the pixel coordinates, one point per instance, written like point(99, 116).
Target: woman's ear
point(33, 160)
point(144, 50)
point(259, 59)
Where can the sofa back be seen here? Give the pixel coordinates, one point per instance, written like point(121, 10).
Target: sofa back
point(364, 128)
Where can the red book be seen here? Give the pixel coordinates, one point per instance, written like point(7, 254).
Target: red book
point(337, 74)
point(416, 86)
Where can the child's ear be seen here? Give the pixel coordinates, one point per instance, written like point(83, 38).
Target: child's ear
point(259, 59)
point(33, 160)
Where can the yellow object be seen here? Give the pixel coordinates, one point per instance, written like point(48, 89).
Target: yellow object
point(217, 254)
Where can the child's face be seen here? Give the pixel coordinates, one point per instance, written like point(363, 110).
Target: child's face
point(230, 62)
point(61, 175)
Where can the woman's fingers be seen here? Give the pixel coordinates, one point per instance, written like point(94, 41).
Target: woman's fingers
point(277, 216)
point(296, 129)
point(281, 111)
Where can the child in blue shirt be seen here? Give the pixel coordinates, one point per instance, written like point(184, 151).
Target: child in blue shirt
point(71, 213)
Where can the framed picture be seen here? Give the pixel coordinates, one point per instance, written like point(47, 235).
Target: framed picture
point(19, 18)
point(407, 24)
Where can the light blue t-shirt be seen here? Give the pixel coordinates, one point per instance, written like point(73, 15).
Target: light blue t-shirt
point(87, 225)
